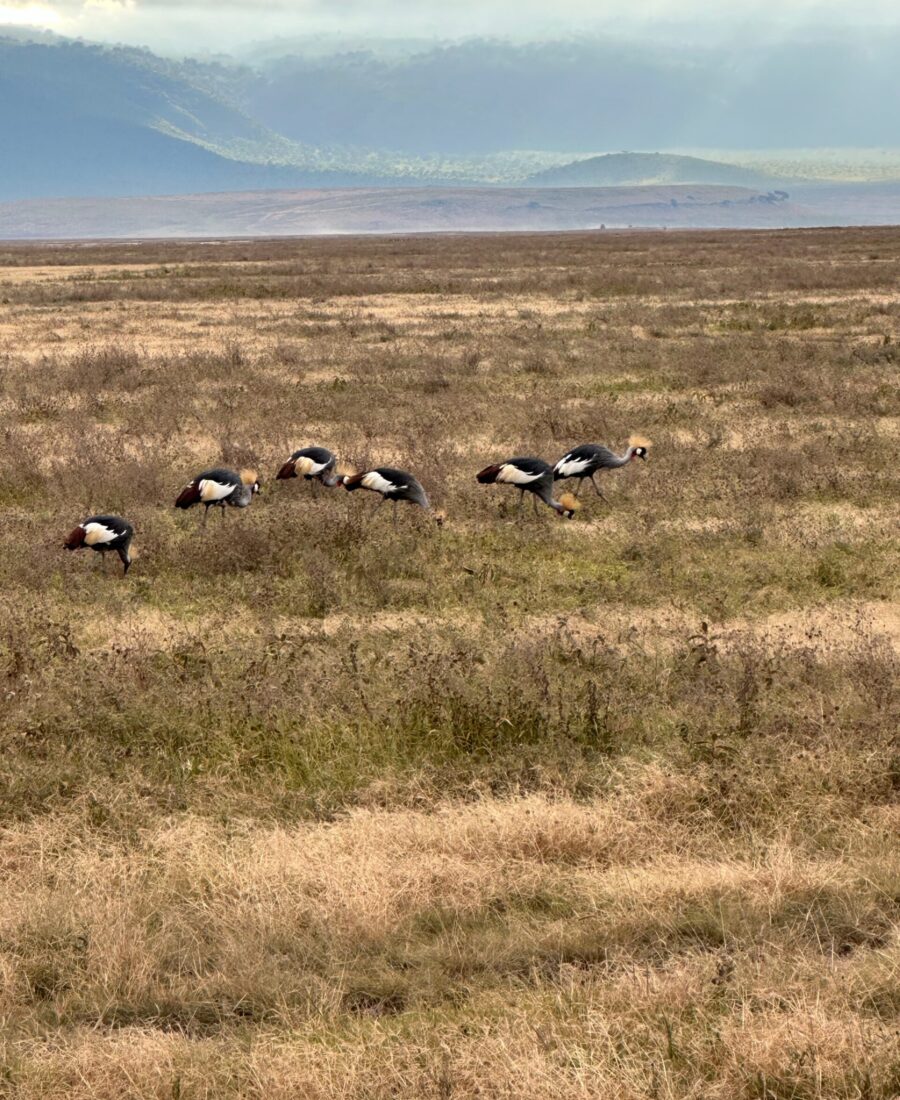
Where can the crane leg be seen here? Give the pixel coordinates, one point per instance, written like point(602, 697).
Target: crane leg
point(521, 499)
point(315, 490)
point(596, 488)
point(578, 487)
point(534, 502)
point(205, 515)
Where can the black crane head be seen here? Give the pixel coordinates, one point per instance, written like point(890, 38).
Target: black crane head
point(640, 452)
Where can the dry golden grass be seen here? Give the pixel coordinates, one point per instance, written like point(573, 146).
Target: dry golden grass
point(515, 808)
point(517, 948)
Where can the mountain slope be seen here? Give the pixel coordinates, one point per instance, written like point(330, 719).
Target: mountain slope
point(83, 120)
point(635, 169)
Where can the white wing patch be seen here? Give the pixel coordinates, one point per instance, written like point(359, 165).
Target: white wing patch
point(305, 466)
point(572, 469)
point(512, 475)
point(374, 480)
point(95, 534)
point(214, 490)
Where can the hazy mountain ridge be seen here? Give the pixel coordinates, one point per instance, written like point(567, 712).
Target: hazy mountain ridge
point(595, 94)
point(83, 119)
point(475, 96)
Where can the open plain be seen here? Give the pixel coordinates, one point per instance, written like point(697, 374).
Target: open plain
point(516, 807)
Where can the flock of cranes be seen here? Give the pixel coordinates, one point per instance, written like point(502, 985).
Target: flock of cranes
point(225, 488)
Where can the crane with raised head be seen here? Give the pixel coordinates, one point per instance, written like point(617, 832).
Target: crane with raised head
point(588, 459)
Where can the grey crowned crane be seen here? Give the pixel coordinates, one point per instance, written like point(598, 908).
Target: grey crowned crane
point(588, 459)
point(529, 475)
point(394, 485)
point(103, 533)
point(219, 487)
point(312, 464)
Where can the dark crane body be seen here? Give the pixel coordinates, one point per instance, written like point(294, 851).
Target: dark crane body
point(587, 460)
point(528, 475)
point(315, 464)
point(104, 533)
point(393, 485)
point(219, 488)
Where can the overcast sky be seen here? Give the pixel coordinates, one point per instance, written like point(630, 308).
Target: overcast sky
point(198, 26)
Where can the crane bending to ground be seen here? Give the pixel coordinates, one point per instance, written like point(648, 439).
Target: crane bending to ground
point(312, 464)
point(529, 475)
point(104, 533)
point(394, 485)
point(218, 488)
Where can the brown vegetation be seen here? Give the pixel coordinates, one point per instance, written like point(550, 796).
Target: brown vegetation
point(308, 807)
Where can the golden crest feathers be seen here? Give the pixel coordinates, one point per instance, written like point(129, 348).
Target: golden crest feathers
point(249, 477)
point(343, 470)
point(639, 441)
point(569, 502)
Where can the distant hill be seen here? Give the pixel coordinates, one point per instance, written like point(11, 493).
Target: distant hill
point(635, 169)
point(77, 119)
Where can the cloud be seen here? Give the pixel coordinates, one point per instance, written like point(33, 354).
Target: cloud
point(204, 25)
point(29, 15)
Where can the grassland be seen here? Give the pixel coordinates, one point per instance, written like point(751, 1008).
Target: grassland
point(306, 807)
